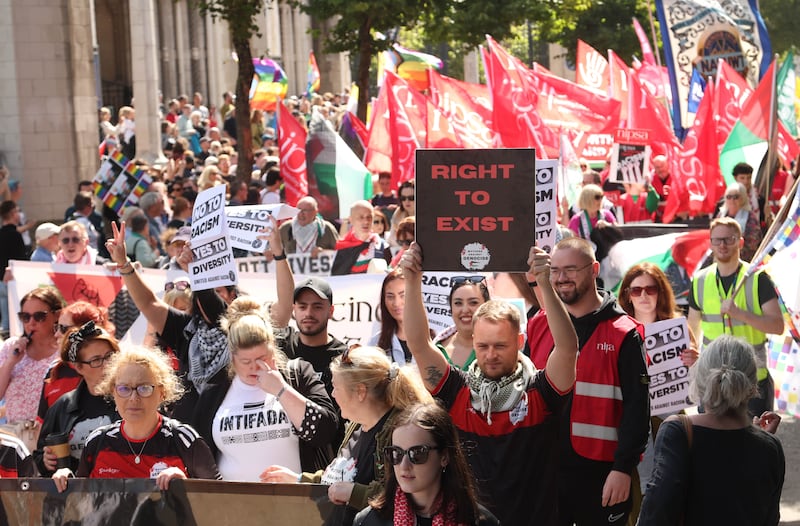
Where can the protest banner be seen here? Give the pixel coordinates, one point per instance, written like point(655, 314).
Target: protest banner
point(546, 216)
point(245, 223)
point(213, 264)
point(139, 502)
point(301, 264)
point(664, 343)
point(475, 208)
point(119, 183)
point(356, 298)
point(630, 158)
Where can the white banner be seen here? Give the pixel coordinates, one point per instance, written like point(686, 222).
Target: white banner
point(213, 264)
point(245, 222)
point(669, 379)
point(301, 264)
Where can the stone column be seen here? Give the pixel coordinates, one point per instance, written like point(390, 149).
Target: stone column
point(199, 78)
point(183, 52)
point(166, 22)
point(144, 66)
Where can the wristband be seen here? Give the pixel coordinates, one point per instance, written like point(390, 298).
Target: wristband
point(280, 258)
point(127, 264)
point(280, 393)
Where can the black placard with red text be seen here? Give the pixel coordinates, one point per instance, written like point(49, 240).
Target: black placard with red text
point(475, 208)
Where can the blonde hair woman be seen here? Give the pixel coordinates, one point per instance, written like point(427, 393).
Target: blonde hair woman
point(268, 410)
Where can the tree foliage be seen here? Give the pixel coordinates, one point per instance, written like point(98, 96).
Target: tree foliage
point(781, 17)
point(241, 18)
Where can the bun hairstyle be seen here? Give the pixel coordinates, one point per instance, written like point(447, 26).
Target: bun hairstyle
point(247, 324)
point(725, 376)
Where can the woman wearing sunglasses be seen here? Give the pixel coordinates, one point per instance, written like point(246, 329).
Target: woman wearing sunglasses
point(645, 294)
point(87, 349)
point(404, 235)
point(25, 360)
point(467, 293)
point(371, 391)
point(736, 204)
point(429, 481)
point(62, 378)
point(268, 409)
point(406, 196)
point(591, 214)
point(74, 242)
point(144, 443)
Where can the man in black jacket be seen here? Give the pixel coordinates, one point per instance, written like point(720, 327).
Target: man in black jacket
point(11, 247)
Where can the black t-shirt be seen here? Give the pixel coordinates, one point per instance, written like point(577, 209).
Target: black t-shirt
point(766, 288)
point(11, 245)
point(320, 357)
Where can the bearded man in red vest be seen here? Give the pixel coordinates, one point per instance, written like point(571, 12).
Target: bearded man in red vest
point(605, 422)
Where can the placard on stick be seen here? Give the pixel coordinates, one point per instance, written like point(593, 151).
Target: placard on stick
point(475, 208)
point(630, 159)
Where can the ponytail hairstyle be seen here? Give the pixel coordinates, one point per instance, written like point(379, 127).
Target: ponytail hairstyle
point(386, 382)
point(457, 482)
point(247, 324)
point(725, 376)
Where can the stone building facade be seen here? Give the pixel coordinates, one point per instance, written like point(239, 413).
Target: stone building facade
point(61, 59)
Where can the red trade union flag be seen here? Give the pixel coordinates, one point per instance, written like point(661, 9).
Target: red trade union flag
point(619, 83)
point(471, 121)
point(406, 128)
point(292, 145)
point(644, 42)
point(565, 105)
point(378, 155)
point(732, 90)
point(591, 68)
point(647, 113)
point(514, 115)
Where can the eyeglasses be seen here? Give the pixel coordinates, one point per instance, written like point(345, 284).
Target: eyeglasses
point(180, 285)
point(457, 281)
point(97, 361)
point(570, 272)
point(39, 316)
point(68, 240)
point(126, 391)
point(405, 242)
point(416, 454)
point(650, 290)
point(62, 328)
point(730, 197)
point(406, 197)
point(730, 240)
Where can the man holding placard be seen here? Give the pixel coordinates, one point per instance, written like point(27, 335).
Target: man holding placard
point(728, 299)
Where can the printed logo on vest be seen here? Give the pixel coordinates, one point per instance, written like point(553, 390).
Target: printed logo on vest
point(606, 347)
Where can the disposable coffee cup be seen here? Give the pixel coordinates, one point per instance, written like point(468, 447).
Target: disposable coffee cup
point(59, 444)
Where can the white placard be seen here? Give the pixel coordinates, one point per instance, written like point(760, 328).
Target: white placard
point(669, 379)
point(213, 264)
point(245, 222)
point(546, 216)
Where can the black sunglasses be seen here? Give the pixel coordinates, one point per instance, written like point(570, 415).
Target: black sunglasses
point(457, 281)
point(406, 197)
point(405, 242)
point(416, 454)
point(180, 285)
point(39, 316)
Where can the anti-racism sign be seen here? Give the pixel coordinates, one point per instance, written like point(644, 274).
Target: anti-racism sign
point(630, 159)
point(119, 183)
point(475, 208)
point(213, 264)
point(664, 343)
point(546, 220)
point(246, 222)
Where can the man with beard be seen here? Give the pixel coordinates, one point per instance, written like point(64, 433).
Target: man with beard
point(751, 312)
point(603, 428)
point(312, 308)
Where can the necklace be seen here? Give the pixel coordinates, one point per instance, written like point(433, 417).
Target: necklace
point(137, 456)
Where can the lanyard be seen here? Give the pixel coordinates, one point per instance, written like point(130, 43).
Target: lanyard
point(726, 318)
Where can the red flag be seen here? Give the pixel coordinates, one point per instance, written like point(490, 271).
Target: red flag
point(565, 105)
point(591, 68)
point(647, 113)
point(406, 127)
point(732, 90)
point(471, 121)
point(378, 155)
point(619, 83)
point(292, 145)
point(644, 42)
point(788, 149)
point(688, 250)
point(514, 115)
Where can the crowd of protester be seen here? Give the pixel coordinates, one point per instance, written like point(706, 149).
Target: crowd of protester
point(556, 425)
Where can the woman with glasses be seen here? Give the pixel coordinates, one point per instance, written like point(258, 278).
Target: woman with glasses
point(380, 225)
point(591, 214)
point(646, 295)
point(24, 361)
point(62, 378)
point(371, 391)
point(74, 242)
point(144, 443)
point(267, 410)
point(737, 205)
point(87, 349)
point(467, 293)
point(406, 196)
point(429, 481)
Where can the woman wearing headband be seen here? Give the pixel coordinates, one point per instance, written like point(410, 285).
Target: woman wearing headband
point(87, 350)
point(268, 409)
point(371, 391)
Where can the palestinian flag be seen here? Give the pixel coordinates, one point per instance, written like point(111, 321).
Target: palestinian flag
point(336, 176)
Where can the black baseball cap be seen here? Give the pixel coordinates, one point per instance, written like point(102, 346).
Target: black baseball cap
point(318, 286)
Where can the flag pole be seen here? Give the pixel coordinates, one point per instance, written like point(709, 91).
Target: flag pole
point(653, 31)
point(772, 143)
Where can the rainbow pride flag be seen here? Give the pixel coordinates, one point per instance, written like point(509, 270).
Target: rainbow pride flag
point(313, 77)
point(269, 85)
point(411, 66)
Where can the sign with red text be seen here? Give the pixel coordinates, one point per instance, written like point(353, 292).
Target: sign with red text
point(664, 342)
point(630, 158)
point(475, 208)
